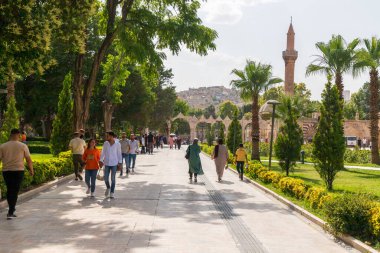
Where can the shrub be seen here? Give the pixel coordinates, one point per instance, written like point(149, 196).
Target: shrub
point(375, 221)
point(314, 195)
point(44, 171)
point(350, 214)
point(39, 149)
point(11, 120)
point(293, 187)
point(308, 148)
point(357, 156)
point(264, 149)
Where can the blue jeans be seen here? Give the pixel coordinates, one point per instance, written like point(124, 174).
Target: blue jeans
point(240, 167)
point(107, 170)
point(132, 160)
point(126, 160)
point(90, 178)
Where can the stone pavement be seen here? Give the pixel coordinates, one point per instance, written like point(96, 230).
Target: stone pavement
point(158, 210)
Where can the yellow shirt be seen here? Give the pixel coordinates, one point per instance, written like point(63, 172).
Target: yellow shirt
point(77, 146)
point(240, 155)
point(12, 154)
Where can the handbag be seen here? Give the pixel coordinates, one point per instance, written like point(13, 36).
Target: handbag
point(100, 175)
point(187, 156)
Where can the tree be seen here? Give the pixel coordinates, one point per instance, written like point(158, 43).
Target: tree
point(234, 136)
point(337, 58)
point(227, 108)
point(25, 32)
point(361, 100)
point(209, 136)
point(62, 131)
point(11, 120)
point(368, 58)
point(254, 79)
point(221, 134)
point(290, 136)
point(197, 112)
point(144, 29)
point(329, 141)
point(210, 112)
point(115, 73)
point(181, 106)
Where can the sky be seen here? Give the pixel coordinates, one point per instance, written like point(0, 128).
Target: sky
point(256, 30)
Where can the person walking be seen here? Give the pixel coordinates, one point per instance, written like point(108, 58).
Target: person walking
point(171, 142)
point(77, 146)
point(112, 159)
point(241, 157)
point(179, 142)
point(195, 165)
point(150, 139)
point(12, 155)
point(220, 157)
point(124, 144)
point(91, 157)
point(133, 150)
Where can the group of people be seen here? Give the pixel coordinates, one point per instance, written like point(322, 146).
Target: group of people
point(114, 153)
point(219, 155)
point(175, 141)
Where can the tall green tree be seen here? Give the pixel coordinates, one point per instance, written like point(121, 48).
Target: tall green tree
point(221, 133)
point(115, 74)
point(25, 30)
point(209, 136)
point(254, 79)
point(228, 108)
point(290, 136)
point(368, 58)
point(209, 111)
point(181, 106)
point(234, 136)
point(337, 58)
point(145, 28)
point(62, 131)
point(329, 141)
point(11, 120)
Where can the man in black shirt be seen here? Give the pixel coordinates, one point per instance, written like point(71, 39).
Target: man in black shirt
point(150, 143)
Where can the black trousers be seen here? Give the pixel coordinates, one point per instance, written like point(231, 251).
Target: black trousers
point(13, 180)
point(240, 167)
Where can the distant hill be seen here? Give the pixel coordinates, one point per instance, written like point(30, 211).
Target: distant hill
point(205, 96)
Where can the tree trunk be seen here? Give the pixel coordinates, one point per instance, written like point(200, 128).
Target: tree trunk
point(339, 83)
point(255, 128)
point(10, 89)
point(108, 109)
point(374, 116)
point(77, 93)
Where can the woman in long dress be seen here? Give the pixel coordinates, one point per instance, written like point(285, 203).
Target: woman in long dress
point(195, 166)
point(220, 157)
point(171, 142)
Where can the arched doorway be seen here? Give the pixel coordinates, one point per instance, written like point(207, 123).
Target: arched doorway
point(217, 128)
point(181, 128)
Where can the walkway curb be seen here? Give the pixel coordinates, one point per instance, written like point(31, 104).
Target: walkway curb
point(355, 243)
point(32, 193)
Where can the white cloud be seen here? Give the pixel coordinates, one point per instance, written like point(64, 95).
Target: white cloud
point(227, 11)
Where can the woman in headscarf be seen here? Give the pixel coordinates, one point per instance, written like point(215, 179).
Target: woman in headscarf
point(195, 166)
point(220, 157)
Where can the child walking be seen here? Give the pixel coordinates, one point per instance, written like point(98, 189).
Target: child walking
point(240, 158)
point(91, 156)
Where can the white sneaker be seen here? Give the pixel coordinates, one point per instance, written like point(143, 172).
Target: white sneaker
point(107, 192)
point(92, 194)
point(112, 195)
point(88, 190)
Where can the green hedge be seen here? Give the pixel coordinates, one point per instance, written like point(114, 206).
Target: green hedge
point(39, 149)
point(44, 172)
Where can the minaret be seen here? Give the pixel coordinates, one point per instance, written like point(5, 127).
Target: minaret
point(290, 57)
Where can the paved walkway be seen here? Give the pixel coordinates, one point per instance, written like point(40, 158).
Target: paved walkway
point(158, 210)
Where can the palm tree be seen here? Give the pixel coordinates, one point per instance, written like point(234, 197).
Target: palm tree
point(368, 58)
point(254, 79)
point(337, 58)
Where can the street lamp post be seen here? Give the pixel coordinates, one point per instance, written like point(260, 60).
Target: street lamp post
point(273, 103)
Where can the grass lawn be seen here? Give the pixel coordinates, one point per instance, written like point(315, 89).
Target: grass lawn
point(350, 180)
point(40, 157)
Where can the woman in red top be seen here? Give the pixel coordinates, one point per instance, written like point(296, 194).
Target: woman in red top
point(91, 156)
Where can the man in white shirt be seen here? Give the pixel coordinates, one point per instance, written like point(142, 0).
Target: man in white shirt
point(112, 160)
point(12, 155)
point(134, 148)
point(77, 147)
